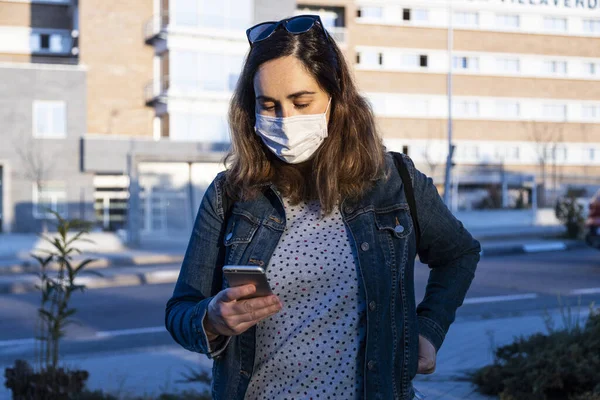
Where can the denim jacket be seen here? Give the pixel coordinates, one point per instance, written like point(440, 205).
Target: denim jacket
point(385, 258)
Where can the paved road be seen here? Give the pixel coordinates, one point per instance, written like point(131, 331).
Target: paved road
point(130, 318)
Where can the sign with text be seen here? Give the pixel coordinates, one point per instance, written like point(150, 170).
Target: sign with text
point(580, 4)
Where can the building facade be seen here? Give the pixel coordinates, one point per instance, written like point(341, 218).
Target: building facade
point(116, 111)
point(526, 87)
point(43, 114)
point(126, 101)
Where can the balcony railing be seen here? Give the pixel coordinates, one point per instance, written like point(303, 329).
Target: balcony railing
point(156, 91)
point(155, 27)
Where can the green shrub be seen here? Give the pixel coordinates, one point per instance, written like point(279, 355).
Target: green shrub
point(570, 213)
point(46, 380)
point(562, 365)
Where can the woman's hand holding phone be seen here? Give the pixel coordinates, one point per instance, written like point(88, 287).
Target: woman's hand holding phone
point(227, 315)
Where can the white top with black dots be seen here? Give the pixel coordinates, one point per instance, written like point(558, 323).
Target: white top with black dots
point(314, 347)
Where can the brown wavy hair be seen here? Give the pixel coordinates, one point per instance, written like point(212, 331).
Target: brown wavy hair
point(350, 158)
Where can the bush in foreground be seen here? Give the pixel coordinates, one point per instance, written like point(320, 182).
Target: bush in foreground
point(562, 365)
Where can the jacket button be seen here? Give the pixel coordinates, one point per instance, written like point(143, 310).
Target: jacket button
point(399, 229)
point(348, 210)
point(372, 306)
point(371, 365)
point(364, 246)
point(229, 236)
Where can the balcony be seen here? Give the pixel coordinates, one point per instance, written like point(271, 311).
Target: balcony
point(156, 28)
point(214, 26)
point(156, 91)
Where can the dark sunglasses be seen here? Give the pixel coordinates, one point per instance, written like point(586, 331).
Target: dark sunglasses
point(295, 25)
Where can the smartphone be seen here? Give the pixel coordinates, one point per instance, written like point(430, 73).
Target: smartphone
point(239, 275)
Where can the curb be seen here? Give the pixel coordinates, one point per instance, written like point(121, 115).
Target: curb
point(27, 267)
point(136, 276)
point(152, 274)
point(532, 248)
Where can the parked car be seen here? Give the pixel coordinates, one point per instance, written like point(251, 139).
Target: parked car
point(592, 222)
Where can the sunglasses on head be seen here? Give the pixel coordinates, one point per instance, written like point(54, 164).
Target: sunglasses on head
point(295, 25)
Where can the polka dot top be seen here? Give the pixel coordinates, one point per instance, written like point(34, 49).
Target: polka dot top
point(313, 348)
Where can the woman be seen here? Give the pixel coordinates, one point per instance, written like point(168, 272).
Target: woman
point(311, 196)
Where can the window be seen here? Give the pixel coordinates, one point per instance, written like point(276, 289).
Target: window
point(592, 68)
point(592, 154)
point(591, 111)
point(49, 196)
point(45, 41)
point(49, 119)
point(555, 67)
point(466, 108)
point(556, 153)
point(513, 153)
point(421, 15)
point(508, 65)
point(415, 60)
point(224, 14)
point(50, 43)
point(591, 26)
point(198, 128)
point(466, 63)
point(508, 21)
point(467, 152)
point(555, 111)
point(369, 58)
point(415, 107)
point(555, 24)
point(508, 109)
point(370, 12)
point(463, 18)
point(415, 15)
point(508, 153)
point(194, 71)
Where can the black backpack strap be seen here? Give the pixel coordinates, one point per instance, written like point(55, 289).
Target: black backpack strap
point(409, 192)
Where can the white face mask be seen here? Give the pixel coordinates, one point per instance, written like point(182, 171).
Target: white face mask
point(293, 139)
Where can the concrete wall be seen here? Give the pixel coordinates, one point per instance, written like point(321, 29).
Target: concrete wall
point(120, 65)
point(49, 159)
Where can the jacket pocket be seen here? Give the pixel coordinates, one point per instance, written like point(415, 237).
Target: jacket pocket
point(241, 228)
point(396, 220)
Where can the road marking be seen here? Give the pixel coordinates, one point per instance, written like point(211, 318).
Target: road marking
point(126, 332)
point(584, 291)
point(17, 342)
point(102, 334)
point(539, 247)
point(498, 299)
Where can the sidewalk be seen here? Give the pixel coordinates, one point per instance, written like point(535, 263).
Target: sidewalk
point(467, 347)
point(107, 249)
point(121, 266)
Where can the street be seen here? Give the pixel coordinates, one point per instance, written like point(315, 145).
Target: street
point(131, 319)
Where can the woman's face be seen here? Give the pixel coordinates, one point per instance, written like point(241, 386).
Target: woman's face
point(285, 89)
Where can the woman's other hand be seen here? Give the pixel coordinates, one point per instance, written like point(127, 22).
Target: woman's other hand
point(227, 315)
point(427, 356)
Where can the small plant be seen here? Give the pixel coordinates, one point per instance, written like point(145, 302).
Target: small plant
point(54, 315)
point(570, 213)
point(565, 364)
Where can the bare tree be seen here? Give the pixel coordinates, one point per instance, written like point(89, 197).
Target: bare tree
point(36, 165)
point(431, 158)
point(546, 138)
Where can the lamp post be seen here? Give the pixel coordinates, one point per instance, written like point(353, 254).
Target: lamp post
point(449, 88)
